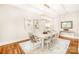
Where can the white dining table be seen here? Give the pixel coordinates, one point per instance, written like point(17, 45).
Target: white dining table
point(44, 36)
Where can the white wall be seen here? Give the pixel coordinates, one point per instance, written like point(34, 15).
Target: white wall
point(56, 24)
point(78, 24)
point(71, 17)
point(11, 23)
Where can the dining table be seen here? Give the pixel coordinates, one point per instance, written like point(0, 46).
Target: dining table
point(43, 37)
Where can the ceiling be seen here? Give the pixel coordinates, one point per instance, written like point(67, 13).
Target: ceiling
point(50, 9)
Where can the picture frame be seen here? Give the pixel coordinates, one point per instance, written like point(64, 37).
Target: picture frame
point(67, 25)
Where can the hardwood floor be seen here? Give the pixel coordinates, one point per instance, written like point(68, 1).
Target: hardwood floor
point(73, 47)
point(13, 48)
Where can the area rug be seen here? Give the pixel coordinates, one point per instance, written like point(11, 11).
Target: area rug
point(60, 47)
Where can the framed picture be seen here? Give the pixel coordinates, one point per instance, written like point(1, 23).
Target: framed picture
point(66, 25)
point(36, 24)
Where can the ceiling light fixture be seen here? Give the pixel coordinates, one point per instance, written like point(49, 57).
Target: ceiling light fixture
point(46, 5)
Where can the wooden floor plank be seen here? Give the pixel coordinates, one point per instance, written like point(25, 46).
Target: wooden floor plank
point(13, 48)
point(73, 46)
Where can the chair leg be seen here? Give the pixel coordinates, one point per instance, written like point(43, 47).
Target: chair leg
point(47, 45)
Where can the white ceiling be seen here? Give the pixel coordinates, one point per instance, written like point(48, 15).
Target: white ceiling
point(53, 10)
